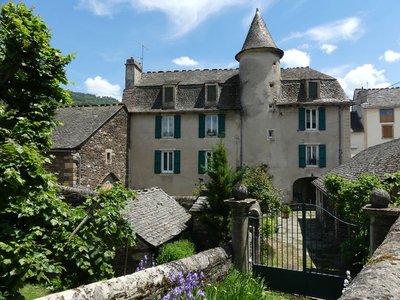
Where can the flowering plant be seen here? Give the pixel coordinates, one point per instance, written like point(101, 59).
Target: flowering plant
point(188, 286)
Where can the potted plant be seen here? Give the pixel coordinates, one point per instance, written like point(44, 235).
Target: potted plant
point(285, 212)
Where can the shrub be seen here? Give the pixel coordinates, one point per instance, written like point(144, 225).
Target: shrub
point(176, 250)
point(259, 186)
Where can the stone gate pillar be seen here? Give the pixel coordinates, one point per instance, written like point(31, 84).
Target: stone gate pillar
point(381, 216)
point(240, 232)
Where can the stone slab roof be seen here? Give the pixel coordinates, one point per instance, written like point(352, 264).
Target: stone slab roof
point(80, 123)
point(156, 216)
point(355, 122)
point(146, 96)
point(377, 160)
point(377, 98)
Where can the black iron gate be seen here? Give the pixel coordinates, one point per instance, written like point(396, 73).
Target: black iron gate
point(296, 250)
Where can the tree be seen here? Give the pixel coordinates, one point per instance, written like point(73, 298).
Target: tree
point(222, 180)
point(35, 224)
point(259, 186)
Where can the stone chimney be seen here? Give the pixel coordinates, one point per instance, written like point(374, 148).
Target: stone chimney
point(133, 73)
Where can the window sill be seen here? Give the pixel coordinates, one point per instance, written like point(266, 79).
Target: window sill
point(312, 166)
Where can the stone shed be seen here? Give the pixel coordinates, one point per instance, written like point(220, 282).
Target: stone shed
point(157, 218)
point(91, 146)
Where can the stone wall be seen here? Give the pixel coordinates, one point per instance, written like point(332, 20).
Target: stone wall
point(63, 165)
point(110, 138)
point(149, 283)
point(380, 277)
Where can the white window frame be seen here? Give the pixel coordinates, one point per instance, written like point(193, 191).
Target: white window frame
point(208, 156)
point(210, 131)
point(309, 114)
point(167, 167)
point(216, 93)
point(167, 126)
point(312, 149)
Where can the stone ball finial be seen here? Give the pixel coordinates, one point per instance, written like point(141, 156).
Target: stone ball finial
point(379, 198)
point(239, 191)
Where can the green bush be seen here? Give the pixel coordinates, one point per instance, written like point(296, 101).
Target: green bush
point(259, 186)
point(176, 250)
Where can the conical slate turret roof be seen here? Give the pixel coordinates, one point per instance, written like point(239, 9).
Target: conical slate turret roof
point(259, 37)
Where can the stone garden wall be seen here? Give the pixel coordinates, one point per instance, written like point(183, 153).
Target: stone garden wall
point(380, 277)
point(148, 283)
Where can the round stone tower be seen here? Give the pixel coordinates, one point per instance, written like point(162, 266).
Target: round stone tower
point(260, 75)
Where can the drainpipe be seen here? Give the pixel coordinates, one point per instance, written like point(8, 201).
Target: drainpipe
point(241, 138)
point(340, 134)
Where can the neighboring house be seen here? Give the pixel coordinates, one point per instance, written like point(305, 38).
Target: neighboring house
point(376, 160)
point(296, 121)
point(375, 117)
point(91, 146)
point(157, 219)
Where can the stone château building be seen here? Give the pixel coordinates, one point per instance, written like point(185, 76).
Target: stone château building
point(295, 120)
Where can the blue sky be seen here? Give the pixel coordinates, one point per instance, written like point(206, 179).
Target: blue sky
point(356, 41)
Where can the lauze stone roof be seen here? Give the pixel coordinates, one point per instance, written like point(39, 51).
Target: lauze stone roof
point(377, 160)
point(377, 98)
point(80, 123)
point(146, 96)
point(156, 216)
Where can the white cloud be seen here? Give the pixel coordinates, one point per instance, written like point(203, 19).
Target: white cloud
point(185, 61)
point(390, 56)
point(184, 15)
point(101, 87)
point(295, 58)
point(363, 76)
point(346, 29)
point(328, 48)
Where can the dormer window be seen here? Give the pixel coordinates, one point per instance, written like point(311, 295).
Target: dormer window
point(312, 89)
point(211, 93)
point(168, 95)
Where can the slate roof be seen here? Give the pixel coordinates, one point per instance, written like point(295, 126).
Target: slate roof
point(378, 160)
point(355, 122)
point(377, 98)
point(156, 216)
point(80, 123)
point(146, 96)
point(259, 37)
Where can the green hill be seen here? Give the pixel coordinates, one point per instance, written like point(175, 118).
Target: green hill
point(89, 99)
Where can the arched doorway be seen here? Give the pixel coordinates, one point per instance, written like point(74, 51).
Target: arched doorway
point(304, 190)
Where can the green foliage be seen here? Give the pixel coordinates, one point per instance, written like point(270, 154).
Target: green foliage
point(35, 224)
point(259, 186)
point(89, 99)
point(222, 179)
point(237, 285)
point(87, 256)
point(175, 250)
point(348, 198)
point(31, 292)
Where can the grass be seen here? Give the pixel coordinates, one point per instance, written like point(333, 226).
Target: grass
point(238, 286)
point(31, 291)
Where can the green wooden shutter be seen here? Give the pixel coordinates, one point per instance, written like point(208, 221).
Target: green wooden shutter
point(321, 118)
point(202, 126)
point(221, 125)
point(177, 126)
point(177, 162)
point(158, 127)
point(202, 162)
point(322, 156)
point(211, 93)
point(157, 162)
point(312, 90)
point(302, 156)
point(302, 118)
